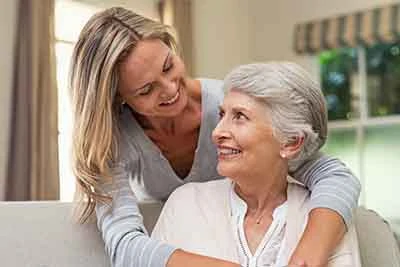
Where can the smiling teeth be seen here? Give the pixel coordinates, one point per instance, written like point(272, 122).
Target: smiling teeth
point(228, 151)
point(172, 100)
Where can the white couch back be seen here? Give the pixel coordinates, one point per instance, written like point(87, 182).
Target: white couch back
point(42, 234)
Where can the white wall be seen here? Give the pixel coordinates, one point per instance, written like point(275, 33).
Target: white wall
point(221, 36)
point(146, 8)
point(8, 10)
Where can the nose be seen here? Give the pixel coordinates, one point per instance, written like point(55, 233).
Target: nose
point(168, 87)
point(221, 132)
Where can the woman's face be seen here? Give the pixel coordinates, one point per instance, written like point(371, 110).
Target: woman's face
point(152, 80)
point(244, 137)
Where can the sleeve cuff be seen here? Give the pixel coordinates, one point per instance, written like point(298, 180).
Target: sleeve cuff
point(162, 255)
point(338, 206)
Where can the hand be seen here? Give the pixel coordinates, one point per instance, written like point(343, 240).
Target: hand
point(182, 258)
point(298, 263)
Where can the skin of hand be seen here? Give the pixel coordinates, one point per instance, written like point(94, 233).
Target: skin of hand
point(182, 258)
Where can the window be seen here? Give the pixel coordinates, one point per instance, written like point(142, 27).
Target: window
point(70, 17)
point(362, 89)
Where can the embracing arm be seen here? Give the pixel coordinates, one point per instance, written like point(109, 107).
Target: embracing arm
point(334, 195)
point(125, 237)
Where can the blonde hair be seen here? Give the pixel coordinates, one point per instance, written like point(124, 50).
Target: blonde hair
point(106, 39)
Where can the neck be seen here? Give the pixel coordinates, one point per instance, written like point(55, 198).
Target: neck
point(264, 192)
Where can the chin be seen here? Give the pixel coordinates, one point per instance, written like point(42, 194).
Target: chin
point(226, 171)
point(177, 109)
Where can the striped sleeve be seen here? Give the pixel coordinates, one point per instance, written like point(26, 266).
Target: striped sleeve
point(126, 240)
point(332, 185)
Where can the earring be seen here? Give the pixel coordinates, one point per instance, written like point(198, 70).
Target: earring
point(283, 155)
point(121, 107)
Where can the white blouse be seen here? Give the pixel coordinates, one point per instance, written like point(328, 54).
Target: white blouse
point(199, 218)
point(270, 246)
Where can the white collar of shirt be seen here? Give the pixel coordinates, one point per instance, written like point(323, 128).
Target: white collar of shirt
point(268, 244)
point(239, 207)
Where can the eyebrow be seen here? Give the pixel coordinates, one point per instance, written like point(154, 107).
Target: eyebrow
point(235, 109)
point(165, 63)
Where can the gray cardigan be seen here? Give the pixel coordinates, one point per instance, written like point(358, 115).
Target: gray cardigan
point(143, 172)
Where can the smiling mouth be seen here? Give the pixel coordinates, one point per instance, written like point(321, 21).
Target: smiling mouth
point(228, 153)
point(171, 100)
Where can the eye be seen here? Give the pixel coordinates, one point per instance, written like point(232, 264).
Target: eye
point(240, 116)
point(145, 91)
point(221, 114)
point(169, 66)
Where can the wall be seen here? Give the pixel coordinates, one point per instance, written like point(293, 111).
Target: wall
point(221, 36)
point(8, 10)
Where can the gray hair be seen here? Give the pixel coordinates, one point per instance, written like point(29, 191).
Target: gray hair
point(293, 100)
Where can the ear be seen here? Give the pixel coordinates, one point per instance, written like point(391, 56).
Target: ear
point(291, 149)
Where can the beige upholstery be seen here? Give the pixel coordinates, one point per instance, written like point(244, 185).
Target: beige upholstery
point(41, 234)
point(378, 246)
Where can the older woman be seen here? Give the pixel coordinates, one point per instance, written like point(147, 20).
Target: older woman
point(272, 119)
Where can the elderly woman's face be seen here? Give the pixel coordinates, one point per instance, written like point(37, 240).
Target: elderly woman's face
point(244, 137)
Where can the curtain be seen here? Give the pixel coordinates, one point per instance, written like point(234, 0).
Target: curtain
point(32, 171)
point(365, 28)
point(177, 13)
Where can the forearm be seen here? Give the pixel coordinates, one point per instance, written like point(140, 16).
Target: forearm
point(332, 185)
point(324, 231)
point(124, 234)
point(181, 258)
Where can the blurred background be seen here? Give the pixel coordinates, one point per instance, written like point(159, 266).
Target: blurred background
point(351, 47)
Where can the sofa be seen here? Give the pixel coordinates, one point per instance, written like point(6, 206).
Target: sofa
point(42, 234)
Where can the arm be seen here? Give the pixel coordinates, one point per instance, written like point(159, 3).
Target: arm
point(334, 195)
point(124, 234)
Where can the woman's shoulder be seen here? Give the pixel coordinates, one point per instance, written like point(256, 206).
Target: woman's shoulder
point(200, 190)
point(211, 82)
point(347, 253)
point(212, 87)
point(197, 196)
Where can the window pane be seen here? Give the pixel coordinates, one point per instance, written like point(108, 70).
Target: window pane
point(67, 182)
point(339, 80)
point(382, 177)
point(383, 84)
point(70, 17)
point(342, 144)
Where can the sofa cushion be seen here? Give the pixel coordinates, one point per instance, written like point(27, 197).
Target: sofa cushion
point(44, 234)
point(378, 246)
